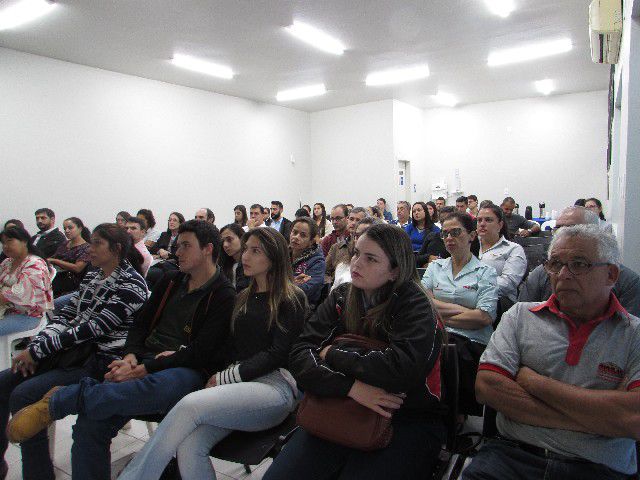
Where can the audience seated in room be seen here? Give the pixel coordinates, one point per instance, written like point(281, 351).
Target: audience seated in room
point(385, 301)
point(564, 374)
point(537, 286)
point(320, 216)
point(230, 260)
point(307, 259)
point(255, 392)
point(91, 330)
point(465, 293)
point(71, 258)
point(25, 283)
point(339, 249)
point(175, 345)
point(339, 215)
point(517, 224)
point(137, 229)
point(420, 225)
point(506, 257)
point(433, 245)
point(49, 237)
point(152, 235)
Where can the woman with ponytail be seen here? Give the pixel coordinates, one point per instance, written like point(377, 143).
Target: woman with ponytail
point(71, 258)
point(81, 340)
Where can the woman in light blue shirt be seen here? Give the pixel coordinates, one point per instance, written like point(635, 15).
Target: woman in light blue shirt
point(465, 293)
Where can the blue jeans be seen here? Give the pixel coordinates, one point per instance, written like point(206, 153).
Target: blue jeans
point(14, 322)
point(104, 408)
point(411, 454)
point(200, 420)
point(17, 392)
point(503, 460)
point(61, 302)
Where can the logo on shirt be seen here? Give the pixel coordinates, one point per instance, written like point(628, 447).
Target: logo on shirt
point(471, 287)
point(610, 372)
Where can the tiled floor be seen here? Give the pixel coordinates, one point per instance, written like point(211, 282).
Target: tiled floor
point(123, 446)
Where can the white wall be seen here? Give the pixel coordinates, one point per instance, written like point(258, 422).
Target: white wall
point(625, 162)
point(88, 142)
point(352, 154)
point(550, 149)
point(408, 145)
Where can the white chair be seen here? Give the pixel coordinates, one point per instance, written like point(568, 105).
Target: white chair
point(548, 225)
point(7, 342)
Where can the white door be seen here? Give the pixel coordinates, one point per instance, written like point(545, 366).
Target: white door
point(404, 181)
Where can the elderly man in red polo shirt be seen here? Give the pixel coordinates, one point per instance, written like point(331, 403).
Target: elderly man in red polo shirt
point(564, 375)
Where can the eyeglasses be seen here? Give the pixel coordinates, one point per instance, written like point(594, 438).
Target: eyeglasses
point(335, 219)
point(454, 232)
point(576, 267)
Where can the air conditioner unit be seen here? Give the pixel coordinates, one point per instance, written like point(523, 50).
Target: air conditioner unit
point(605, 29)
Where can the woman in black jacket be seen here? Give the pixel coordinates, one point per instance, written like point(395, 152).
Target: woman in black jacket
point(384, 301)
point(164, 251)
point(230, 259)
point(255, 392)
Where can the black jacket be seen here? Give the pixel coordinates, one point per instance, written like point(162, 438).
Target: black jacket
point(206, 350)
point(411, 363)
point(432, 245)
point(163, 242)
point(285, 227)
point(50, 242)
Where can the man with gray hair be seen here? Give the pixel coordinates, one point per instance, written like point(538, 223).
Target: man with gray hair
point(564, 375)
point(355, 215)
point(537, 287)
point(403, 210)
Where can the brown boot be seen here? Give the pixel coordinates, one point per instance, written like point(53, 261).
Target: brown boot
point(30, 420)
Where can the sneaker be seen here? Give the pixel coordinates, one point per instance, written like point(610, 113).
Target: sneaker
point(30, 420)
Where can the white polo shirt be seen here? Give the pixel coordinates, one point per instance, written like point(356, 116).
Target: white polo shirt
point(510, 262)
point(597, 355)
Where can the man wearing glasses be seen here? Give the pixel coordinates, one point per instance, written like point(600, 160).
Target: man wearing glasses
point(537, 287)
point(339, 215)
point(564, 375)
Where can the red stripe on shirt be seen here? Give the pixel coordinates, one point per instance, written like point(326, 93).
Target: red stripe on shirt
point(494, 368)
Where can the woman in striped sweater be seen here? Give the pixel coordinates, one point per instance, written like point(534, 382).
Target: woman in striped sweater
point(100, 313)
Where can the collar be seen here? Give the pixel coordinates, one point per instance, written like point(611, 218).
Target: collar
point(471, 266)
point(46, 232)
point(501, 241)
point(205, 286)
point(579, 333)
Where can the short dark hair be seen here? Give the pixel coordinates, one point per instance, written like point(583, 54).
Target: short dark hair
point(301, 212)
point(47, 211)
point(462, 199)
point(382, 200)
point(14, 221)
point(344, 208)
point(206, 233)
point(148, 216)
point(581, 202)
point(278, 203)
point(441, 198)
point(463, 218)
point(255, 205)
point(445, 212)
point(210, 215)
point(472, 197)
point(139, 221)
point(508, 200)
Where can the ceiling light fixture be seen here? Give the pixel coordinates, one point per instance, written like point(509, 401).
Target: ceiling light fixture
point(302, 92)
point(545, 86)
point(23, 12)
point(202, 66)
point(316, 38)
point(529, 52)
point(502, 8)
point(400, 75)
point(445, 99)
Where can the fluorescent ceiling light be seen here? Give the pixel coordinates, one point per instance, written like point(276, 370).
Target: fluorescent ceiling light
point(316, 38)
point(529, 52)
point(23, 12)
point(502, 8)
point(445, 99)
point(545, 86)
point(388, 77)
point(202, 66)
point(302, 92)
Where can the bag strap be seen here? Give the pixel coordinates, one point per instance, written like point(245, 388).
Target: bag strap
point(156, 317)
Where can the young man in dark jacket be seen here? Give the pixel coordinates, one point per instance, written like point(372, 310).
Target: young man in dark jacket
point(174, 346)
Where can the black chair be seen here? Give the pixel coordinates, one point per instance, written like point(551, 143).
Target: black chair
point(536, 255)
point(421, 272)
point(533, 240)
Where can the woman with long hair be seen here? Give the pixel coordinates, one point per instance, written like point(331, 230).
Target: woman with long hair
point(420, 225)
point(230, 259)
point(122, 218)
point(25, 283)
point(320, 216)
point(342, 272)
point(71, 258)
point(164, 250)
point(385, 302)
point(152, 235)
point(506, 257)
point(240, 216)
point(595, 206)
point(12, 222)
point(307, 258)
point(465, 293)
point(432, 210)
point(255, 392)
point(91, 328)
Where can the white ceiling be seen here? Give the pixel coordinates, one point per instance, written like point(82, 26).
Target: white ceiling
point(454, 37)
